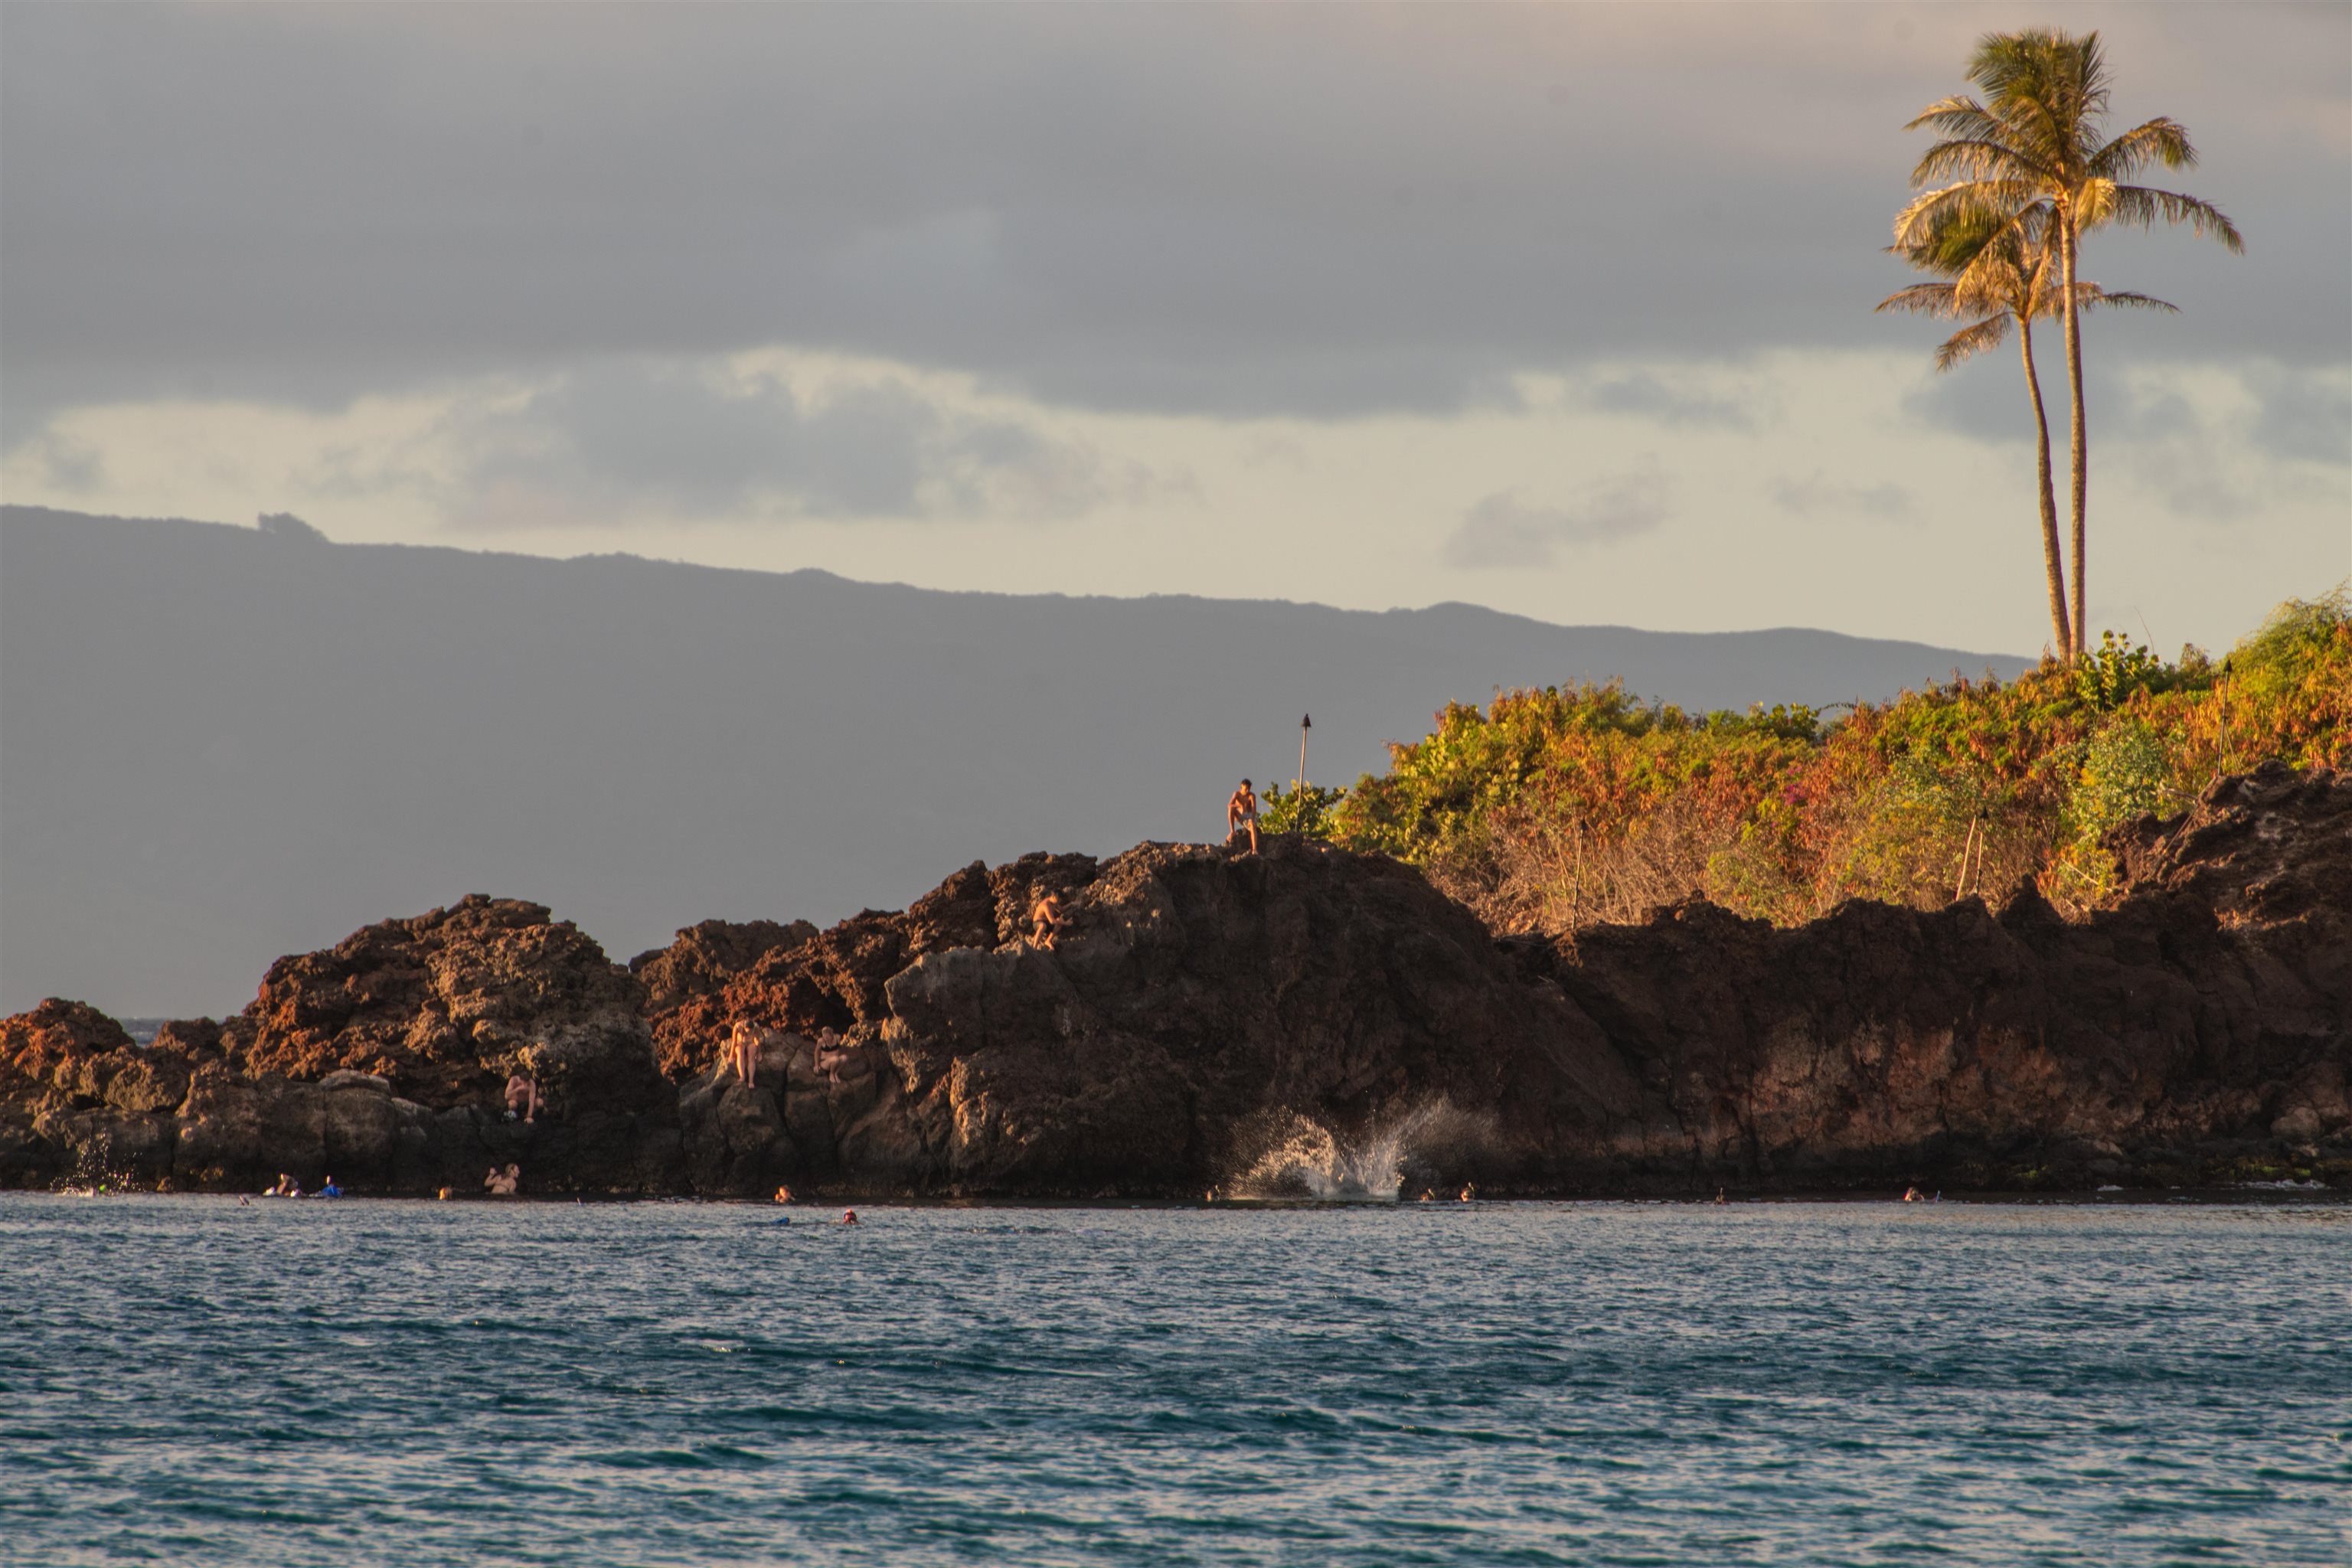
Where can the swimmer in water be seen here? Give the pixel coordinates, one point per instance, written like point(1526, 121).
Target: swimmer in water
point(1913, 1196)
point(783, 1195)
point(1719, 1197)
point(849, 1217)
point(331, 1189)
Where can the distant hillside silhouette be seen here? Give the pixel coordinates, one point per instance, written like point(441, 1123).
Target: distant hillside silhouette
point(218, 744)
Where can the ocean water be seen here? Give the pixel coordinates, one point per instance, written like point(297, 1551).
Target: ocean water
point(185, 1380)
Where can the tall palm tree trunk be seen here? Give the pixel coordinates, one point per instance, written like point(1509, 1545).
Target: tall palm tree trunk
point(2058, 623)
point(2081, 445)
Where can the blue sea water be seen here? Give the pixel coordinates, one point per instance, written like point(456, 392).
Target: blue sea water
point(185, 1380)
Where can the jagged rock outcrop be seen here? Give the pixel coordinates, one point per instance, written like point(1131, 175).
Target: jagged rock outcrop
point(705, 957)
point(1202, 1011)
point(2208, 1012)
point(1193, 997)
point(382, 1060)
point(835, 979)
point(443, 1006)
point(57, 1034)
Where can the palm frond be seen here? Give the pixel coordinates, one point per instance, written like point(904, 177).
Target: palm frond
point(2087, 295)
point(1977, 158)
point(2007, 64)
point(2010, 204)
point(1922, 300)
point(1972, 341)
point(2143, 204)
point(2088, 63)
point(2158, 141)
point(1959, 115)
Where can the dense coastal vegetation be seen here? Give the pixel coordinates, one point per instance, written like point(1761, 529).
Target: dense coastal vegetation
point(1555, 809)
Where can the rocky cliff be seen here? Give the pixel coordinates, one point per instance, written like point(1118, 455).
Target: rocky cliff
point(1296, 1020)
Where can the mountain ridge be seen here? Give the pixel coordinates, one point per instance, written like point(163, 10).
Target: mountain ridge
point(222, 744)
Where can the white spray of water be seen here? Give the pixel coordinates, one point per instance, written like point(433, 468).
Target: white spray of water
point(1302, 1159)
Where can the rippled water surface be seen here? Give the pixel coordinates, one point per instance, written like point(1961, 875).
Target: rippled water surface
point(183, 1380)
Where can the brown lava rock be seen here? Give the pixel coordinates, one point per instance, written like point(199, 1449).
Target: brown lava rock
point(443, 1005)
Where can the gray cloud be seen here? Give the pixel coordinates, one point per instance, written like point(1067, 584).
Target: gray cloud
point(2305, 415)
point(693, 438)
point(1646, 394)
point(1987, 400)
point(1229, 211)
point(1504, 531)
point(1818, 493)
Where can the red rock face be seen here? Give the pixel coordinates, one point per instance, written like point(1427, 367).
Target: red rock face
point(55, 1034)
point(835, 979)
point(705, 957)
point(443, 1006)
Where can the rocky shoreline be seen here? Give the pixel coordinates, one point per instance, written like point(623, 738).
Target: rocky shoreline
point(1298, 1020)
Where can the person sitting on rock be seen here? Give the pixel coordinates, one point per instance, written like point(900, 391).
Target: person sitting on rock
point(1046, 919)
point(523, 1096)
point(504, 1183)
point(1241, 811)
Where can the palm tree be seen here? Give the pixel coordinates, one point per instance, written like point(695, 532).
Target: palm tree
point(1998, 281)
point(2031, 155)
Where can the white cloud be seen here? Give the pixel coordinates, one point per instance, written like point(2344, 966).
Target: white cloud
point(1504, 531)
point(1817, 493)
point(941, 479)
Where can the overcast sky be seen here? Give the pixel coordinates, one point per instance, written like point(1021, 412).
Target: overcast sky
point(1563, 310)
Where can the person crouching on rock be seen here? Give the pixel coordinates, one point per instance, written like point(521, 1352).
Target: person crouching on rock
point(1045, 919)
point(829, 1054)
point(1241, 811)
point(523, 1096)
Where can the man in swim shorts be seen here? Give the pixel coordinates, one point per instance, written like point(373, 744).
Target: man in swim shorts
point(1046, 920)
point(523, 1096)
point(1241, 811)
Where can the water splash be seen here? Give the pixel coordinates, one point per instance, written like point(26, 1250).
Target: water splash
point(1300, 1158)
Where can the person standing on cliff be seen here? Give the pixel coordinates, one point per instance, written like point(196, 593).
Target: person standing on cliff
point(741, 1051)
point(1241, 811)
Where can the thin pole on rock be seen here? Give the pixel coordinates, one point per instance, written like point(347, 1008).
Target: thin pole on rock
point(1306, 722)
